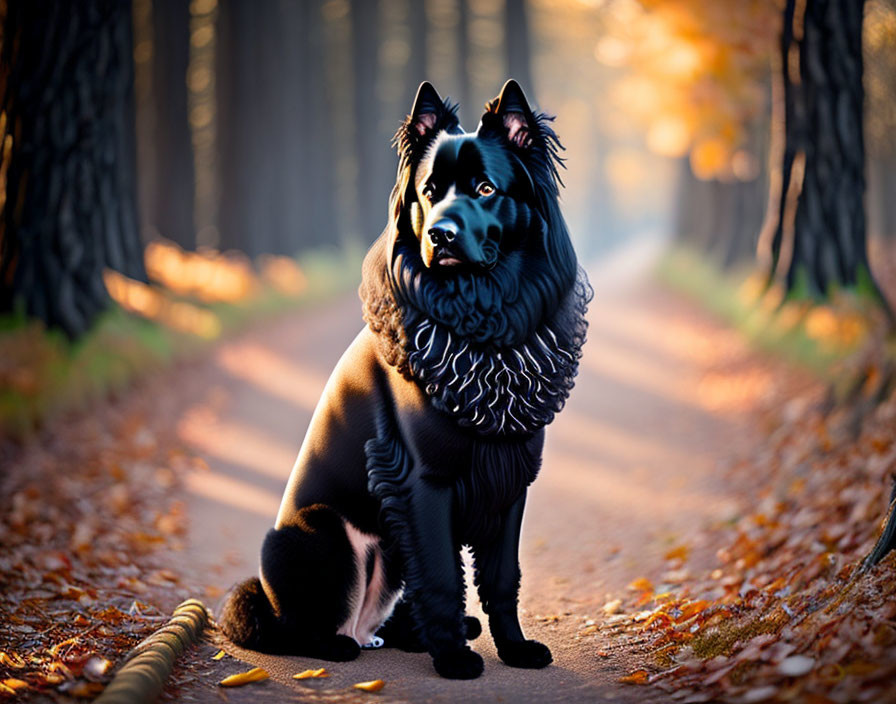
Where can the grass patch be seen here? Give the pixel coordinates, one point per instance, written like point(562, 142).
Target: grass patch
point(816, 336)
point(44, 375)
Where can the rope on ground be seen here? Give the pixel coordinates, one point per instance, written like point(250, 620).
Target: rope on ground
point(142, 676)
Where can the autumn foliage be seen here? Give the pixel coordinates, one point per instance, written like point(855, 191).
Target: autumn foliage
point(786, 614)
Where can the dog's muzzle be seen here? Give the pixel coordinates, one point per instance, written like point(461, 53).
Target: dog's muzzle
point(447, 244)
point(442, 235)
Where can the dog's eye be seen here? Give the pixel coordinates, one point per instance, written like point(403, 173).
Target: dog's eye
point(428, 191)
point(485, 189)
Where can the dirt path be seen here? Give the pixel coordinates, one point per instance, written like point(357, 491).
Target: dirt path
point(630, 470)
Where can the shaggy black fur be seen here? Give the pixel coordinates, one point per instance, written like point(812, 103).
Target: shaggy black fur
point(432, 425)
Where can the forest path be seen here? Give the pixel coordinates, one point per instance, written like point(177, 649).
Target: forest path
point(630, 471)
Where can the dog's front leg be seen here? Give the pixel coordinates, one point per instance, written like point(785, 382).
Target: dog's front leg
point(432, 573)
point(498, 580)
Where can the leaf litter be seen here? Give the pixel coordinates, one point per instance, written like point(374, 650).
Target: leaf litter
point(87, 513)
point(784, 615)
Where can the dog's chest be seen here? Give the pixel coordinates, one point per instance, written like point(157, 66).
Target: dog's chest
point(497, 477)
point(494, 392)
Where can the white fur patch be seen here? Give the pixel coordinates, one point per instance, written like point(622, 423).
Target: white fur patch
point(370, 604)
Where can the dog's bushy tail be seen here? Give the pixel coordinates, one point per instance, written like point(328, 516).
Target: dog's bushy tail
point(248, 619)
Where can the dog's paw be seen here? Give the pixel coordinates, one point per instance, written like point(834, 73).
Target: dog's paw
point(339, 648)
point(472, 628)
point(528, 653)
point(461, 664)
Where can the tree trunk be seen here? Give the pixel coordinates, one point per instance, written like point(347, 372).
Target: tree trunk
point(374, 183)
point(245, 219)
point(321, 229)
point(469, 112)
point(829, 242)
point(517, 43)
point(417, 67)
point(171, 209)
point(820, 244)
point(70, 182)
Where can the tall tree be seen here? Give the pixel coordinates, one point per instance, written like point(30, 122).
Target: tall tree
point(69, 152)
point(170, 210)
point(372, 148)
point(468, 111)
point(275, 128)
point(418, 28)
point(247, 141)
point(820, 243)
point(517, 43)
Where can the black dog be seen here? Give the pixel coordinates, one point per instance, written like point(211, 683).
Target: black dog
point(432, 424)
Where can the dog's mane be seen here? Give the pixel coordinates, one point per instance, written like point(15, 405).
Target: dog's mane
point(498, 351)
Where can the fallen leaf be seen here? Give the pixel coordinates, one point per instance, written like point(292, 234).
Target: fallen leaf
point(372, 686)
point(15, 684)
point(642, 584)
point(611, 607)
point(678, 553)
point(796, 665)
point(96, 667)
point(256, 674)
point(637, 677)
point(310, 674)
point(219, 655)
point(11, 660)
point(54, 651)
point(692, 609)
point(7, 690)
point(85, 690)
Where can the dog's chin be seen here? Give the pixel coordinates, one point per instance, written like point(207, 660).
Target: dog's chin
point(442, 261)
point(450, 264)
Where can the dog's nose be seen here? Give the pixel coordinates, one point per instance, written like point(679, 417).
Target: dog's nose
point(443, 232)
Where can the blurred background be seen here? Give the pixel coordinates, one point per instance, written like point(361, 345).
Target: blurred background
point(180, 155)
point(196, 181)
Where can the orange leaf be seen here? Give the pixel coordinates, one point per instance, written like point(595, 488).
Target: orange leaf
point(15, 684)
point(690, 610)
point(642, 584)
point(664, 619)
point(679, 553)
point(54, 651)
point(311, 674)
point(256, 674)
point(86, 690)
point(11, 660)
point(372, 686)
point(637, 677)
point(61, 668)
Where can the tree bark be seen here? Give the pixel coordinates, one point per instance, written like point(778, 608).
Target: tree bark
point(171, 209)
point(70, 210)
point(517, 44)
point(826, 237)
point(418, 26)
point(829, 242)
point(245, 123)
point(372, 151)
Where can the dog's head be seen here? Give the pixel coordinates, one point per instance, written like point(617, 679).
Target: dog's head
point(475, 240)
point(469, 198)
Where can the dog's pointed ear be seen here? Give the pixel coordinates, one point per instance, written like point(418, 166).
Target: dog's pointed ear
point(428, 108)
point(429, 116)
point(511, 115)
